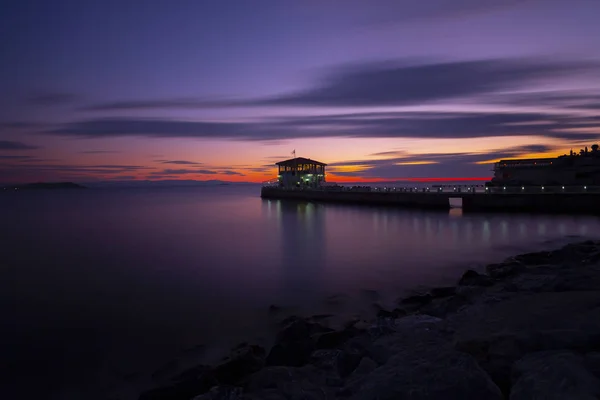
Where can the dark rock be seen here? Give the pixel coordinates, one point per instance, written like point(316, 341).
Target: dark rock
point(443, 291)
point(291, 353)
point(189, 386)
point(340, 362)
point(503, 270)
point(299, 329)
point(365, 366)
point(553, 375)
point(528, 322)
point(306, 382)
point(421, 364)
point(474, 278)
point(243, 361)
point(538, 258)
point(295, 342)
point(417, 299)
point(329, 340)
point(395, 313)
point(222, 393)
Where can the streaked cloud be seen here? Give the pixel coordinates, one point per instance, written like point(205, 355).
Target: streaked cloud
point(12, 145)
point(396, 83)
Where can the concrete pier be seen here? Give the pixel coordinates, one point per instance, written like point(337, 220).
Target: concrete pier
point(401, 199)
point(548, 200)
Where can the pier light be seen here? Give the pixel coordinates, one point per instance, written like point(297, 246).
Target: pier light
point(522, 187)
point(585, 188)
point(563, 188)
point(542, 188)
point(504, 188)
point(487, 188)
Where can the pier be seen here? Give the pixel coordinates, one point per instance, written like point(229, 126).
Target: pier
point(304, 179)
point(550, 199)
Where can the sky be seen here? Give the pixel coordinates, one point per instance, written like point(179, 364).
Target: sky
point(379, 89)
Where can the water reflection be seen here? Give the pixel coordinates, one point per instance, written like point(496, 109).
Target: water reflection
point(302, 235)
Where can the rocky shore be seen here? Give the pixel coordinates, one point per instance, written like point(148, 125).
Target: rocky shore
point(529, 328)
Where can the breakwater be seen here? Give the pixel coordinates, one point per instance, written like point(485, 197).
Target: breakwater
point(527, 328)
point(548, 200)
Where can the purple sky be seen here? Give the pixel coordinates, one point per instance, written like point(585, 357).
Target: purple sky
point(122, 89)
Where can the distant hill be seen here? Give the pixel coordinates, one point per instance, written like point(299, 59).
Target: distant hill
point(44, 186)
point(161, 183)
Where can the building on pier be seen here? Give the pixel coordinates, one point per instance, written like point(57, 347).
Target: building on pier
point(300, 172)
point(573, 169)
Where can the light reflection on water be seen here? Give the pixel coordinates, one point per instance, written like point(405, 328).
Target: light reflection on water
point(140, 273)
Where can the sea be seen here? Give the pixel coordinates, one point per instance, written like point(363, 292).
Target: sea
point(106, 291)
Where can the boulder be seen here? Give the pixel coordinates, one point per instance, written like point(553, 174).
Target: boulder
point(333, 339)
point(499, 333)
point(222, 393)
point(306, 382)
point(296, 341)
point(292, 353)
point(244, 360)
point(503, 270)
point(421, 364)
point(417, 299)
point(184, 389)
point(340, 362)
point(474, 278)
point(553, 375)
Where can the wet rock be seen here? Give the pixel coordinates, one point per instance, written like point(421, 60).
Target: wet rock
point(365, 366)
point(395, 313)
point(444, 291)
point(553, 375)
point(474, 278)
point(292, 353)
point(417, 299)
point(244, 360)
point(188, 385)
point(222, 393)
point(420, 364)
point(330, 340)
point(537, 258)
point(307, 382)
point(342, 363)
point(296, 329)
point(503, 270)
point(295, 342)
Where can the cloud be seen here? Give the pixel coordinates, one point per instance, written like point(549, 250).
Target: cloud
point(179, 162)
point(173, 172)
point(10, 145)
point(396, 83)
point(359, 125)
point(15, 157)
point(100, 152)
point(403, 165)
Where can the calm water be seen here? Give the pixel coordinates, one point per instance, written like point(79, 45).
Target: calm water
point(100, 286)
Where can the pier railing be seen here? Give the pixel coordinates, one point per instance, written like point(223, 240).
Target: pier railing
point(447, 189)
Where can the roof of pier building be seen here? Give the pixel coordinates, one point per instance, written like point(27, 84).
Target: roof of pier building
point(299, 160)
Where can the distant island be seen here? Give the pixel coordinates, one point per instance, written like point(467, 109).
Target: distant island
point(44, 185)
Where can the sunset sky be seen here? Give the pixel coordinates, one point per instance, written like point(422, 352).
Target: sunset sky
point(221, 89)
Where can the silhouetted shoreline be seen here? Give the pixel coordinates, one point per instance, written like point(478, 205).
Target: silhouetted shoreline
point(44, 186)
point(509, 332)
